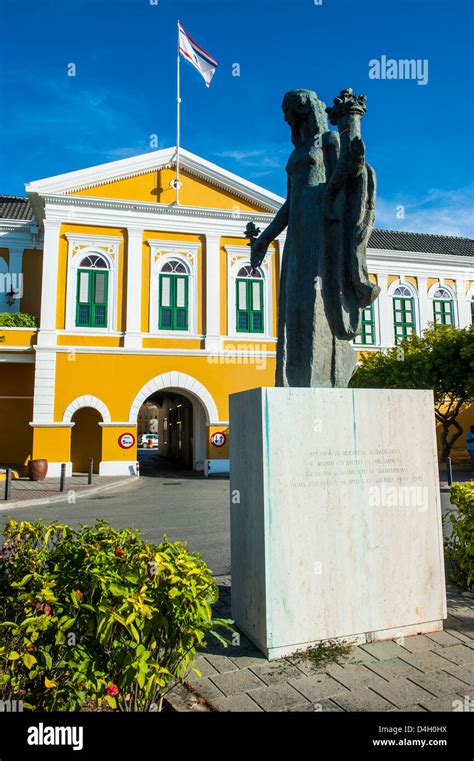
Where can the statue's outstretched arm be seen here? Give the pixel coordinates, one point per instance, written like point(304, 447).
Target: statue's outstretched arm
point(276, 226)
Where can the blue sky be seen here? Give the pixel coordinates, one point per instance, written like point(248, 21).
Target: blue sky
point(419, 137)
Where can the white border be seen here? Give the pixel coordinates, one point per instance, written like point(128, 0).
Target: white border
point(241, 254)
point(102, 245)
point(453, 299)
point(86, 401)
point(175, 381)
point(416, 301)
point(162, 251)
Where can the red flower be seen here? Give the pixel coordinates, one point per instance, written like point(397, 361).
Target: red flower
point(79, 594)
point(119, 551)
point(113, 690)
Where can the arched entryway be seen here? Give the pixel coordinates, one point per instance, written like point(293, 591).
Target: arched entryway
point(185, 409)
point(179, 422)
point(86, 439)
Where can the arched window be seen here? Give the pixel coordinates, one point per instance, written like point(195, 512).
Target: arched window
point(403, 313)
point(92, 292)
point(173, 296)
point(443, 306)
point(249, 300)
point(367, 331)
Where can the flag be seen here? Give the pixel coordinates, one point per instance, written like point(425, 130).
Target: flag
point(194, 54)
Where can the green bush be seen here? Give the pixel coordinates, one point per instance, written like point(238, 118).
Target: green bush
point(459, 547)
point(18, 320)
point(96, 617)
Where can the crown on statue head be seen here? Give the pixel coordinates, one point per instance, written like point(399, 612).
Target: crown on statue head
point(346, 103)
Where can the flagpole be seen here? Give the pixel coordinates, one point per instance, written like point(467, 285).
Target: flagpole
point(178, 120)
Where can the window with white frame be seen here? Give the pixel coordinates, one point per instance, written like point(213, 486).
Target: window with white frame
point(249, 300)
point(404, 320)
point(173, 296)
point(92, 282)
point(249, 295)
point(443, 306)
point(92, 292)
point(173, 287)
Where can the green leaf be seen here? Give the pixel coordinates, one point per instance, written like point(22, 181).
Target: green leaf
point(118, 591)
point(13, 656)
point(29, 660)
point(111, 701)
point(25, 579)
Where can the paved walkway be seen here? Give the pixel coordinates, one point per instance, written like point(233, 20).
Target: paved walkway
point(24, 491)
point(423, 673)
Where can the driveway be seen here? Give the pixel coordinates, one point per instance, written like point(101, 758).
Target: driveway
point(167, 499)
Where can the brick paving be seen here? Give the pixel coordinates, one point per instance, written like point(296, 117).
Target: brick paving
point(425, 672)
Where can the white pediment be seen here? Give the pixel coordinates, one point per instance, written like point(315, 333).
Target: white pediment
point(149, 162)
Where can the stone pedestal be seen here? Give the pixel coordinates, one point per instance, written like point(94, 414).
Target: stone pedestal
point(335, 516)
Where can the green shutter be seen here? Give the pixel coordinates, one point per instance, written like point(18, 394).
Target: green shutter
point(249, 305)
point(403, 318)
point(180, 302)
point(92, 298)
point(443, 312)
point(367, 331)
point(173, 302)
point(99, 300)
point(165, 308)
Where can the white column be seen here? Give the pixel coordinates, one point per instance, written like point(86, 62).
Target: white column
point(464, 307)
point(134, 288)
point(16, 272)
point(45, 381)
point(385, 313)
point(212, 340)
point(49, 285)
point(425, 304)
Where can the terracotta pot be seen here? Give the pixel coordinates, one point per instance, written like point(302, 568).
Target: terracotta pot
point(37, 469)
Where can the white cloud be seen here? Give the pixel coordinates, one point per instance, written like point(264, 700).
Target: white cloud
point(267, 158)
point(440, 212)
point(240, 155)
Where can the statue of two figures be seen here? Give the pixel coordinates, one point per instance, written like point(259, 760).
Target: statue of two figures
point(329, 214)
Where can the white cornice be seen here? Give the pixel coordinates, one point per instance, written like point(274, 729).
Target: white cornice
point(90, 240)
point(19, 328)
point(156, 352)
point(423, 259)
point(150, 216)
point(244, 250)
point(20, 355)
point(173, 246)
point(153, 161)
point(25, 226)
point(135, 208)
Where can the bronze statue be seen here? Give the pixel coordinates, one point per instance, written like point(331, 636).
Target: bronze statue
point(329, 213)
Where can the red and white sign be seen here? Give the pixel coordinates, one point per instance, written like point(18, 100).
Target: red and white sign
point(218, 439)
point(126, 440)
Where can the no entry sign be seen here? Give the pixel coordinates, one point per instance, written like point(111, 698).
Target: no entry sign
point(218, 439)
point(126, 440)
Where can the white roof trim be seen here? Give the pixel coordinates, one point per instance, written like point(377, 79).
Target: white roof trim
point(148, 162)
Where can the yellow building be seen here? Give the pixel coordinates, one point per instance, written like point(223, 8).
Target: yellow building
point(140, 299)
